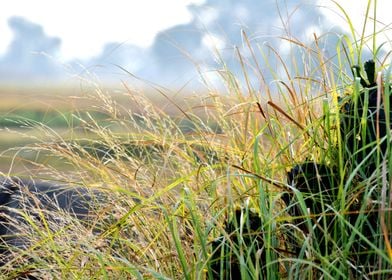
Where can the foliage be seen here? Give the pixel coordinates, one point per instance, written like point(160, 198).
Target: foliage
point(181, 202)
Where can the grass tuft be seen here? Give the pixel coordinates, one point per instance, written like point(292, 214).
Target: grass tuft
point(280, 182)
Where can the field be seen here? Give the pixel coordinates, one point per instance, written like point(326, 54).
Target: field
point(280, 180)
point(30, 114)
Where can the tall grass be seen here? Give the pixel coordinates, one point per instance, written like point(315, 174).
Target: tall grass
point(173, 181)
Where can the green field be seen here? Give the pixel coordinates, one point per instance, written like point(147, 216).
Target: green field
point(30, 116)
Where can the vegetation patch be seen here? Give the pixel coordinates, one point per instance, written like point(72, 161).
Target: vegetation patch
point(282, 180)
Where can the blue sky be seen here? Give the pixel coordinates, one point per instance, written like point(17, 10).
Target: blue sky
point(167, 42)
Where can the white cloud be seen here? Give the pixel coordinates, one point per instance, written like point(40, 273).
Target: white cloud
point(86, 26)
point(356, 11)
point(212, 41)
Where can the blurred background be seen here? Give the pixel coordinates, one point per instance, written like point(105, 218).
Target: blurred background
point(58, 58)
point(171, 43)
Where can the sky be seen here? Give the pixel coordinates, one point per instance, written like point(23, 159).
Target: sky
point(168, 42)
point(95, 22)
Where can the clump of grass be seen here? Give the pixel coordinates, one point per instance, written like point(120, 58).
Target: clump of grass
point(178, 185)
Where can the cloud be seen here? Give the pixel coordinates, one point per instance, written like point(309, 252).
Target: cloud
point(114, 63)
point(86, 26)
point(210, 40)
point(178, 54)
point(30, 55)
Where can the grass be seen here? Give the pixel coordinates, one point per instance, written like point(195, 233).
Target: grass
point(173, 179)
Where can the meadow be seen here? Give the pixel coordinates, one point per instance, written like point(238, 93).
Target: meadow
point(187, 174)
